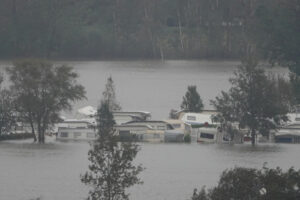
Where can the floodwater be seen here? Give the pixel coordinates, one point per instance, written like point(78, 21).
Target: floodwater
point(52, 171)
point(153, 86)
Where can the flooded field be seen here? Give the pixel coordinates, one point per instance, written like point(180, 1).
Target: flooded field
point(52, 171)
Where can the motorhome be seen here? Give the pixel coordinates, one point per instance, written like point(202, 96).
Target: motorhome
point(289, 133)
point(205, 117)
point(139, 133)
point(181, 129)
point(76, 130)
point(144, 131)
point(120, 117)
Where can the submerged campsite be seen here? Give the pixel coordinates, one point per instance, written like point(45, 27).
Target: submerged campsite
point(201, 164)
point(187, 127)
point(193, 122)
point(149, 100)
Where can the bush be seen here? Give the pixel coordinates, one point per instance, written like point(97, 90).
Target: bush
point(252, 184)
point(187, 138)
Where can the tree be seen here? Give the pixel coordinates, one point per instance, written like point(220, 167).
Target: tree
point(192, 101)
point(41, 91)
point(295, 81)
point(173, 114)
point(279, 22)
point(7, 111)
point(247, 183)
point(201, 195)
point(255, 100)
point(111, 170)
point(109, 95)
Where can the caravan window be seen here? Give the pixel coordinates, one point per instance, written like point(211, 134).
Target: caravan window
point(170, 127)
point(176, 125)
point(192, 118)
point(124, 133)
point(19, 128)
point(91, 135)
point(76, 134)
point(207, 135)
point(64, 134)
point(187, 127)
point(161, 127)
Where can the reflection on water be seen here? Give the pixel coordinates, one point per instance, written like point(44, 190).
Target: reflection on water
point(52, 171)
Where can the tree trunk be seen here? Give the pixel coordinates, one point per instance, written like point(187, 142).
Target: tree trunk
point(117, 28)
point(15, 26)
point(43, 132)
point(53, 15)
point(253, 137)
point(180, 30)
point(32, 131)
point(40, 134)
point(161, 53)
point(147, 24)
point(43, 136)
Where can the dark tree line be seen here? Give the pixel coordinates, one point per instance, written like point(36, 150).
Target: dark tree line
point(147, 28)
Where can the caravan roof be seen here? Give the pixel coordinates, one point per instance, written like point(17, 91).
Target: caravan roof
point(197, 118)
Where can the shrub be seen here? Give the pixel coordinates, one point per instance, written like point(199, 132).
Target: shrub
point(252, 184)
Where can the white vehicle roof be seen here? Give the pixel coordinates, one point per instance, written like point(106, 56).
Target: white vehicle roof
point(87, 110)
point(197, 118)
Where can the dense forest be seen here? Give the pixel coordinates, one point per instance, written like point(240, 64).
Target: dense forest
point(151, 29)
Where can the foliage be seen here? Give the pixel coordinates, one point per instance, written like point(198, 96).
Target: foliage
point(201, 195)
point(246, 183)
point(280, 24)
point(187, 138)
point(173, 114)
point(109, 95)
point(255, 100)
point(192, 101)
point(111, 170)
point(295, 82)
point(7, 111)
point(41, 90)
point(146, 29)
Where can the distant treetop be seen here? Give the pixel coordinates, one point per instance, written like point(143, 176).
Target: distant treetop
point(192, 101)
